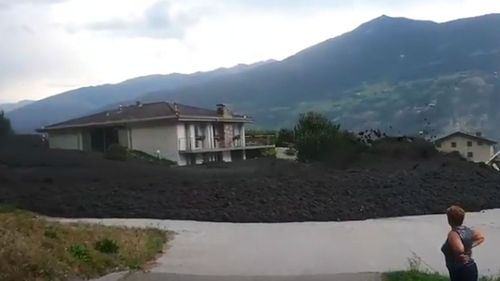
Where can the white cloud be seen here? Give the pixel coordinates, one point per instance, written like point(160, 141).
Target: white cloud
point(55, 45)
point(31, 53)
point(158, 21)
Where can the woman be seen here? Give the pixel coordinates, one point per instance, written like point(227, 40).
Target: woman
point(457, 249)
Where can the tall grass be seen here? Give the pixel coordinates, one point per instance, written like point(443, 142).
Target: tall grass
point(31, 248)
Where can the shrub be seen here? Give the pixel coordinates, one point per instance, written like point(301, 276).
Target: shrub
point(318, 139)
point(106, 246)
point(404, 148)
point(270, 152)
point(116, 152)
point(80, 252)
point(5, 126)
point(285, 137)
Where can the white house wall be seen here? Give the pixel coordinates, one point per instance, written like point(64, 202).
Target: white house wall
point(481, 153)
point(154, 138)
point(167, 138)
point(65, 140)
point(123, 137)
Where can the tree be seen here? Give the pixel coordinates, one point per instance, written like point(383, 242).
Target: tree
point(5, 126)
point(315, 136)
point(319, 139)
point(285, 137)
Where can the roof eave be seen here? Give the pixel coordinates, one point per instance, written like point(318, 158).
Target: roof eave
point(118, 122)
point(485, 140)
point(215, 119)
point(95, 124)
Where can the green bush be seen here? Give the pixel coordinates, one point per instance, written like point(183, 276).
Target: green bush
point(404, 148)
point(285, 137)
point(80, 252)
point(5, 126)
point(319, 139)
point(270, 152)
point(116, 152)
point(106, 246)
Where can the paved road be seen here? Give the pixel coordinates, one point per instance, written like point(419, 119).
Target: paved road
point(312, 248)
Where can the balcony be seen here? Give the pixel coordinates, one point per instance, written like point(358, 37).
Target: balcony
point(201, 145)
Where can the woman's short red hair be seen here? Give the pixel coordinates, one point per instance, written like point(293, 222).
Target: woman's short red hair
point(455, 215)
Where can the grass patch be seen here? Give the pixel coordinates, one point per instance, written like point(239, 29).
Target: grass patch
point(417, 273)
point(414, 275)
point(32, 248)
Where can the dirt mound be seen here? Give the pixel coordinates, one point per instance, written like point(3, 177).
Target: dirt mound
point(76, 184)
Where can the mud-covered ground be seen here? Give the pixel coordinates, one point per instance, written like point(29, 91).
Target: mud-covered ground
point(76, 184)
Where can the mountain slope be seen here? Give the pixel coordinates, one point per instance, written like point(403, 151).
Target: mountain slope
point(7, 107)
point(385, 74)
point(385, 51)
point(85, 100)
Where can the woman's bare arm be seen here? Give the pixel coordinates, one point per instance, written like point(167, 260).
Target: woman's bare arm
point(477, 238)
point(456, 244)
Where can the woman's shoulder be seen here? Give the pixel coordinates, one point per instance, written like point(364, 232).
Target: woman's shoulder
point(453, 234)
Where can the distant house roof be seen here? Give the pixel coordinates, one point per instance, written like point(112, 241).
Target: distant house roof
point(465, 135)
point(147, 112)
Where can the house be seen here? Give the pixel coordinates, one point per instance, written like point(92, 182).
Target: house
point(475, 147)
point(181, 133)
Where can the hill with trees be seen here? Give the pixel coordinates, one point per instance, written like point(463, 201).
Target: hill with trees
point(394, 74)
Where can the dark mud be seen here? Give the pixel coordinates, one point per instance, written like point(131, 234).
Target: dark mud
point(76, 184)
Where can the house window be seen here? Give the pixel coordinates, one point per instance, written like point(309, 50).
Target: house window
point(453, 144)
point(470, 154)
point(479, 143)
point(469, 143)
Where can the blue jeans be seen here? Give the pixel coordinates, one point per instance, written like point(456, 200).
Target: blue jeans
point(466, 272)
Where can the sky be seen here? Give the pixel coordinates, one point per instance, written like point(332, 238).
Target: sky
point(51, 46)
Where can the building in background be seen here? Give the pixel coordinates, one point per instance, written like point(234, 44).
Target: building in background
point(181, 133)
point(475, 148)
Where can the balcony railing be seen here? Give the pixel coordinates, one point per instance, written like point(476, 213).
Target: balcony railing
point(187, 144)
point(206, 145)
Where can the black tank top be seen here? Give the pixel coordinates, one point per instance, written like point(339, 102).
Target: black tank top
point(466, 235)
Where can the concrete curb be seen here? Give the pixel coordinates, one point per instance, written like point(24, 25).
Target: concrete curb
point(116, 276)
point(155, 276)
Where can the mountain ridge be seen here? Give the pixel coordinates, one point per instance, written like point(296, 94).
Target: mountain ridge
point(10, 106)
point(381, 55)
point(89, 99)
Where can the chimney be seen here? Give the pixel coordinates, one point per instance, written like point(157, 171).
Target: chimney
point(479, 134)
point(224, 111)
